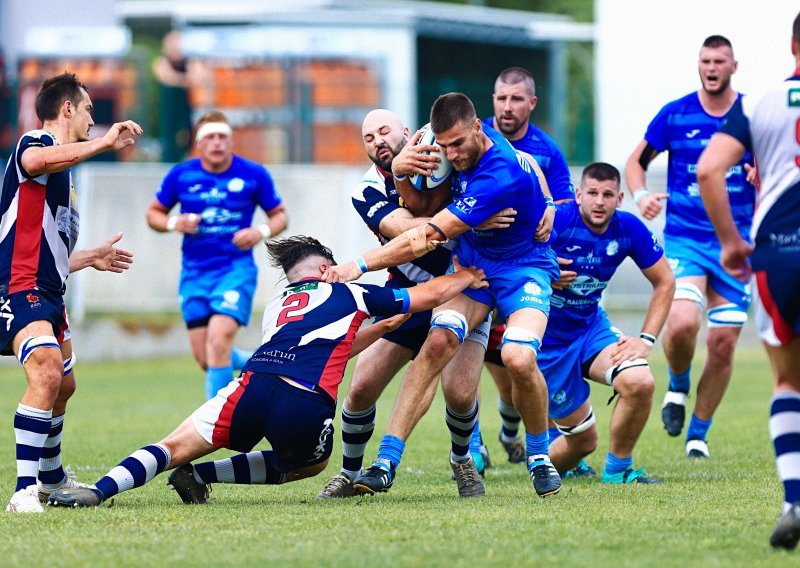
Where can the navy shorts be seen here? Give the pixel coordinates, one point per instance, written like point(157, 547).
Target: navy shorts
point(297, 423)
point(21, 308)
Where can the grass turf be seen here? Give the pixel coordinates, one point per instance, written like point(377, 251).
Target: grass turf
point(711, 513)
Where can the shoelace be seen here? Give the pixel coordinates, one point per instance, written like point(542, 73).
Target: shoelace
point(541, 472)
point(466, 473)
point(334, 484)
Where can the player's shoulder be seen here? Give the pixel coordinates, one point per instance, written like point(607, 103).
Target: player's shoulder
point(37, 137)
point(629, 222)
point(682, 105)
point(374, 179)
point(191, 165)
point(536, 133)
point(240, 164)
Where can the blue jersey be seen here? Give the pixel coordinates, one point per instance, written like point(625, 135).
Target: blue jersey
point(502, 178)
point(225, 202)
point(308, 329)
point(683, 128)
point(548, 155)
point(39, 224)
point(595, 259)
point(374, 198)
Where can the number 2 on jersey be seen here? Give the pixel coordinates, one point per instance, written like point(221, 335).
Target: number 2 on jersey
point(291, 306)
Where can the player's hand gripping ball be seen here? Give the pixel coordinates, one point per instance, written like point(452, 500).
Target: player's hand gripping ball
point(443, 170)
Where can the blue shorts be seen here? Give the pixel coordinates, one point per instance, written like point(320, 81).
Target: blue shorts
point(688, 257)
point(562, 364)
point(297, 423)
point(21, 308)
point(226, 290)
point(515, 283)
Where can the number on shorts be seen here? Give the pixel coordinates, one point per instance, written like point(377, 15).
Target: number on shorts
point(292, 304)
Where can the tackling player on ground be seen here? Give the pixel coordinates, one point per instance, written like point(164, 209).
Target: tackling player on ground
point(683, 128)
point(769, 126)
point(287, 391)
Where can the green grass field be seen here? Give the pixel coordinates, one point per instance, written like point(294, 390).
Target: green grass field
point(714, 513)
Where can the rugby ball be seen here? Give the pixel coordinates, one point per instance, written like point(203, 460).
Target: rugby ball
point(439, 175)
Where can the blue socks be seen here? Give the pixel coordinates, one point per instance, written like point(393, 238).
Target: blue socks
point(698, 429)
point(391, 449)
point(537, 444)
point(680, 383)
point(217, 378)
point(476, 441)
point(617, 465)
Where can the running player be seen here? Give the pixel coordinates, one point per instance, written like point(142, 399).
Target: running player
point(514, 100)
point(287, 391)
point(683, 128)
point(386, 141)
point(491, 176)
point(39, 228)
point(769, 126)
point(218, 193)
point(593, 239)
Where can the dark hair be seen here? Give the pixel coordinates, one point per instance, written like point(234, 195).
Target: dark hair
point(286, 253)
point(514, 75)
point(55, 91)
point(601, 171)
point(717, 41)
point(796, 28)
point(451, 109)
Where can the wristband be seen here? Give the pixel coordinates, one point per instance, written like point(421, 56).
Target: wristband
point(548, 202)
point(172, 222)
point(399, 177)
point(640, 194)
point(649, 338)
point(265, 231)
point(362, 265)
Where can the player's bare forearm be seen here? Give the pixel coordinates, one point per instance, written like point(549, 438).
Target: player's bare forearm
point(663, 281)
point(419, 203)
point(277, 220)
point(722, 152)
point(366, 336)
point(54, 159)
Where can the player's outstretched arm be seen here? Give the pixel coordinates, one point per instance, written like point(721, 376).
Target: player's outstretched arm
point(650, 204)
point(408, 246)
point(103, 257)
point(722, 152)
point(51, 159)
point(366, 336)
point(663, 281)
point(439, 290)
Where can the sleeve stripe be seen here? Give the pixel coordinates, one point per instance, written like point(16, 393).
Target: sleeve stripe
point(401, 295)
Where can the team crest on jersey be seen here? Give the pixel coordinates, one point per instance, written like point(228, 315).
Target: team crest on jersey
point(794, 97)
point(236, 184)
point(63, 219)
point(612, 248)
point(33, 300)
point(560, 397)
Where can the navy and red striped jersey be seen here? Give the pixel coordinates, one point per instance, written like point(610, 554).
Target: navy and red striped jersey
point(39, 223)
point(308, 329)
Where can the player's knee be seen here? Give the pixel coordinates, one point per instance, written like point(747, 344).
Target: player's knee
point(721, 345)
point(636, 383)
point(309, 471)
point(519, 350)
point(361, 395)
point(451, 321)
point(66, 390)
point(440, 344)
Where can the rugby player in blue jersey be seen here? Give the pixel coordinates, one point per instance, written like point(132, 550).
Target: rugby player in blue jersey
point(492, 176)
point(287, 391)
point(390, 146)
point(218, 193)
point(683, 128)
point(592, 240)
point(514, 100)
point(769, 126)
